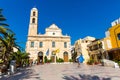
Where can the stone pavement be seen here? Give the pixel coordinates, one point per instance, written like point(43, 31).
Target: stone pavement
point(66, 72)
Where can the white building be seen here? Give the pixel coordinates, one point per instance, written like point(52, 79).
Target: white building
point(41, 45)
point(81, 47)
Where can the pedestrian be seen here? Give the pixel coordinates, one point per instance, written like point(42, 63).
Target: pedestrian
point(80, 60)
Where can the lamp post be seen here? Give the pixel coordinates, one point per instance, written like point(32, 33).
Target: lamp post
point(55, 57)
point(36, 54)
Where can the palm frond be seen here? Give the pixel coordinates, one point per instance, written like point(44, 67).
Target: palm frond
point(3, 24)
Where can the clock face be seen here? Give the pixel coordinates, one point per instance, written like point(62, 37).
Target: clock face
point(53, 33)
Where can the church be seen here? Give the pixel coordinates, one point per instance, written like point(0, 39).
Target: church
point(52, 44)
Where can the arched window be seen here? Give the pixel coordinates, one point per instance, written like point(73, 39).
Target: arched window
point(40, 53)
point(118, 36)
point(65, 53)
point(53, 44)
point(41, 44)
point(32, 44)
point(33, 13)
point(33, 20)
point(65, 44)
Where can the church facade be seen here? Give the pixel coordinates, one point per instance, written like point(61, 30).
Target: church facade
point(51, 44)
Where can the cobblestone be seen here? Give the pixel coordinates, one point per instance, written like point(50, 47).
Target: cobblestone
point(66, 72)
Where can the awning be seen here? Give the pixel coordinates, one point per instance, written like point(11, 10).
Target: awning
point(95, 52)
point(113, 49)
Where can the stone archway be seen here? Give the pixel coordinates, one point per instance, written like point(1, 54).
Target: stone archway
point(65, 55)
point(40, 57)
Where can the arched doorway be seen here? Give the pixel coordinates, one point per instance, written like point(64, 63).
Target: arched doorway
point(53, 57)
point(65, 54)
point(40, 57)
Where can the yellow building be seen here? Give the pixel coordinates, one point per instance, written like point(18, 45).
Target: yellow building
point(113, 34)
point(107, 45)
point(51, 44)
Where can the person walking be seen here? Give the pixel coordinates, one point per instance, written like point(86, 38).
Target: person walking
point(80, 60)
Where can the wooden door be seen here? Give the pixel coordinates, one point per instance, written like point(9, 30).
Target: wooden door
point(65, 57)
point(53, 58)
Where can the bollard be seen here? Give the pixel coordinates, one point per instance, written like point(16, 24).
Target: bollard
point(116, 65)
point(0, 74)
point(8, 72)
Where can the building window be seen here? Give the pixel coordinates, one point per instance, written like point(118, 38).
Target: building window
point(118, 36)
point(32, 44)
point(33, 20)
point(33, 13)
point(65, 44)
point(41, 44)
point(86, 41)
point(53, 44)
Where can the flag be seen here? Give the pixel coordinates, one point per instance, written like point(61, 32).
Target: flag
point(57, 51)
point(98, 42)
point(47, 52)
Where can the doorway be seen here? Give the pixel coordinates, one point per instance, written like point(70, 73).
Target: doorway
point(65, 54)
point(53, 58)
point(40, 57)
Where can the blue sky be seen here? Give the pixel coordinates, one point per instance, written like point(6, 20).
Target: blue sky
point(77, 18)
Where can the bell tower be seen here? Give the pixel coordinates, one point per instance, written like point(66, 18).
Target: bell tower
point(33, 25)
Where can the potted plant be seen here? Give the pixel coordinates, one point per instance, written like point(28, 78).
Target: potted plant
point(90, 61)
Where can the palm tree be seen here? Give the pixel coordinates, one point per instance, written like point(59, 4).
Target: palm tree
point(16, 56)
point(9, 43)
point(3, 33)
point(2, 18)
point(25, 58)
point(3, 29)
point(22, 58)
point(7, 40)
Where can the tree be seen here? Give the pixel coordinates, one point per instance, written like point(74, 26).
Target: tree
point(2, 18)
point(7, 40)
point(8, 44)
point(22, 58)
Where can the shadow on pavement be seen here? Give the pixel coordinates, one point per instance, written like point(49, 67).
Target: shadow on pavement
point(22, 74)
point(84, 77)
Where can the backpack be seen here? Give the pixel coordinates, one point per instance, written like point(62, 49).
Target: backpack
point(81, 59)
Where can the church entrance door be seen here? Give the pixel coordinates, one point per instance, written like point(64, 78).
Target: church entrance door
point(40, 57)
point(53, 58)
point(65, 54)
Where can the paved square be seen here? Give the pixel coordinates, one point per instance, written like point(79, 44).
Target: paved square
point(66, 72)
